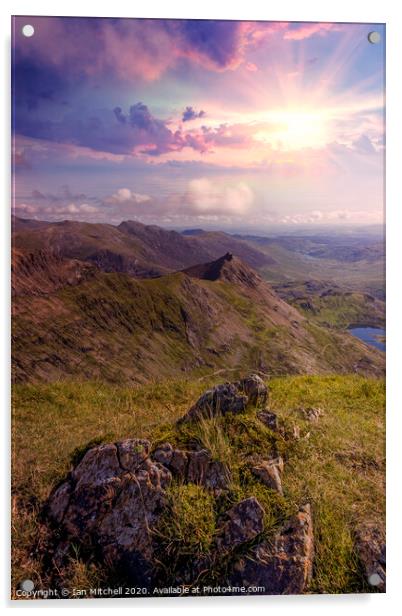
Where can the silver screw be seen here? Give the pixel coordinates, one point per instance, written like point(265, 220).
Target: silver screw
point(374, 37)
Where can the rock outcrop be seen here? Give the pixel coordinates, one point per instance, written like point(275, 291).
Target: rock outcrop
point(112, 500)
point(284, 565)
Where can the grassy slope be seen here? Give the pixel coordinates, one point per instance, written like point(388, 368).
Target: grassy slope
point(116, 328)
point(339, 468)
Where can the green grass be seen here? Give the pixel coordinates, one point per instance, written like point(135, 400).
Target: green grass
point(337, 465)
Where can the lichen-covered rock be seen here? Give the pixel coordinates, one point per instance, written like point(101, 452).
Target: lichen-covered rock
point(244, 522)
point(228, 397)
point(111, 500)
point(132, 452)
point(283, 565)
point(370, 547)
point(269, 472)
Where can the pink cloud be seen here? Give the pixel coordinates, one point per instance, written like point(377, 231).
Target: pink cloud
point(307, 30)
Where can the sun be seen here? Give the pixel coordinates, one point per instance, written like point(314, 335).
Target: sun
point(294, 129)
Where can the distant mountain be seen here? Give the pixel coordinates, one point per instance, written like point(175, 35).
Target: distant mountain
point(142, 251)
point(192, 231)
point(72, 320)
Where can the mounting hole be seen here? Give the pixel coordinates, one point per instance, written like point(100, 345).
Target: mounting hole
point(374, 579)
point(374, 37)
point(28, 30)
point(27, 585)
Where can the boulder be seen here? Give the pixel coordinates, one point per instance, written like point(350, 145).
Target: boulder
point(283, 565)
point(370, 547)
point(110, 502)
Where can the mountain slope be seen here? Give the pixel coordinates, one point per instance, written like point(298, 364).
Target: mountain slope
point(114, 327)
point(142, 251)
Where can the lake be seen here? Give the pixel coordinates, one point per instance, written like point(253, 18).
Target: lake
point(374, 336)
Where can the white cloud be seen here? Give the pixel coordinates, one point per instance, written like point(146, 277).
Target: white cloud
point(207, 197)
point(123, 195)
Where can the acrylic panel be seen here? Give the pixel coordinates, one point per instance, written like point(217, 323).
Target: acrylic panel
point(198, 327)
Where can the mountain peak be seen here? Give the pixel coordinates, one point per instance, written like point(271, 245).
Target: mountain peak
point(228, 268)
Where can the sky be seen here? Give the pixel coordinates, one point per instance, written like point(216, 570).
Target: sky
point(191, 123)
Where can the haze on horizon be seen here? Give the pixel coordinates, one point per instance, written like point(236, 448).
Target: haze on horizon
point(213, 124)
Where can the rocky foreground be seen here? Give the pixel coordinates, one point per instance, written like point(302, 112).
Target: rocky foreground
point(112, 502)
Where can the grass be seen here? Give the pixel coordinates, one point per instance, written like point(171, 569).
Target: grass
point(186, 528)
point(337, 465)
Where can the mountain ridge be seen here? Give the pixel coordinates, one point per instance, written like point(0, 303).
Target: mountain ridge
point(115, 327)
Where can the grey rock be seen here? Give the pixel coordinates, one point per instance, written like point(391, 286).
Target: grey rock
point(132, 452)
point(58, 501)
point(312, 414)
point(194, 466)
point(219, 400)
point(283, 565)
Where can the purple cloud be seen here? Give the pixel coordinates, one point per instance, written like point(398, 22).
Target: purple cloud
point(190, 114)
point(135, 132)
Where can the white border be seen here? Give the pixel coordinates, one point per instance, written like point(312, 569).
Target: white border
point(285, 10)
